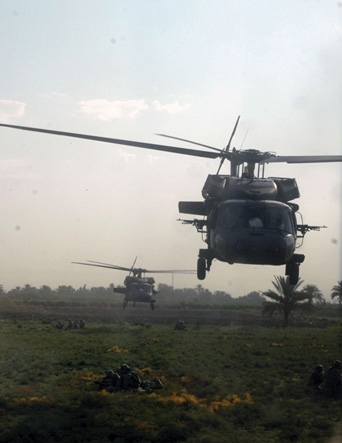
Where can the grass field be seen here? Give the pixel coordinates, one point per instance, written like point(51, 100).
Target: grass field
point(220, 383)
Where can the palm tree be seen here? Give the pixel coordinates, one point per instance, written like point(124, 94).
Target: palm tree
point(314, 294)
point(337, 292)
point(285, 299)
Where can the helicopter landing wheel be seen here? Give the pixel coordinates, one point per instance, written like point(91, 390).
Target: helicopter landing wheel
point(124, 304)
point(294, 274)
point(201, 268)
point(152, 306)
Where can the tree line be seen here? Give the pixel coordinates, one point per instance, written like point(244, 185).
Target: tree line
point(166, 293)
point(61, 291)
point(284, 299)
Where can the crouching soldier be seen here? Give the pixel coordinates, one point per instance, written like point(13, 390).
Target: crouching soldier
point(111, 382)
point(155, 383)
point(333, 380)
point(129, 378)
point(316, 379)
point(180, 325)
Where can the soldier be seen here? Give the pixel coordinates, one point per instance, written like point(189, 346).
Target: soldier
point(59, 325)
point(129, 379)
point(111, 382)
point(333, 380)
point(180, 325)
point(155, 383)
point(316, 379)
point(123, 370)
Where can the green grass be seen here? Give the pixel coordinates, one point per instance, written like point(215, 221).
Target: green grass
point(220, 384)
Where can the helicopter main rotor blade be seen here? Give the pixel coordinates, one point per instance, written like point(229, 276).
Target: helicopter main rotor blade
point(175, 271)
point(173, 149)
point(226, 151)
point(103, 265)
point(233, 133)
point(303, 159)
point(190, 141)
point(223, 154)
point(132, 267)
point(134, 270)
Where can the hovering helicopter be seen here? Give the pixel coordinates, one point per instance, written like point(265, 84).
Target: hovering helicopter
point(138, 288)
point(246, 218)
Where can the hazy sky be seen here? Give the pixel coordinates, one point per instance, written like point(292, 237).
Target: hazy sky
point(131, 69)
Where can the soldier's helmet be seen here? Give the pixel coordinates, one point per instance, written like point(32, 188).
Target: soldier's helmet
point(338, 364)
point(125, 367)
point(109, 373)
point(319, 368)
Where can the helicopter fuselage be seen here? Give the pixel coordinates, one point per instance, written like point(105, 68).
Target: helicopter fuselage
point(252, 232)
point(247, 220)
point(138, 290)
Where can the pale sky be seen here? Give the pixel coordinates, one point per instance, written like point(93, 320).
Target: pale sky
point(131, 69)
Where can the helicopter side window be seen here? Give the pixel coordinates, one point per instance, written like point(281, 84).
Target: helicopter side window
point(213, 218)
point(279, 218)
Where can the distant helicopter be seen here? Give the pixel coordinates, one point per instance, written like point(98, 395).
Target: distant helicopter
point(246, 218)
point(137, 287)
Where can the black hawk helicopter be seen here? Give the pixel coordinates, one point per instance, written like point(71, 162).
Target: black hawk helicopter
point(246, 218)
point(138, 288)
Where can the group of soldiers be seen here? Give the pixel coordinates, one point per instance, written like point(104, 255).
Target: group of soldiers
point(125, 378)
point(72, 324)
point(329, 383)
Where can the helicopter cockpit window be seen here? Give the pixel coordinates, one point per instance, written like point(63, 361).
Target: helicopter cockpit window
point(255, 222)
point(141, 288)
point(279, 218)
point(231, 216)
point(256, 217)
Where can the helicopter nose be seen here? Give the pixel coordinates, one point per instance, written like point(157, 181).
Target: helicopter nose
point(256, 248)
